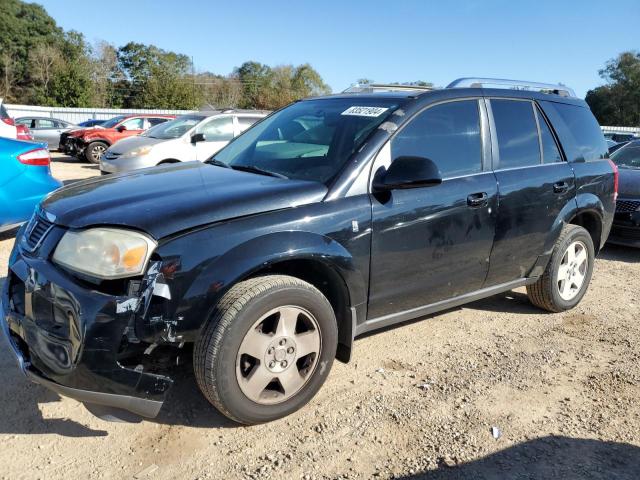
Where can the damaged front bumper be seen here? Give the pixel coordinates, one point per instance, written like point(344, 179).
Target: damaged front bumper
point(69, 338)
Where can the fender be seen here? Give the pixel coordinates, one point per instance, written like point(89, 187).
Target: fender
point(241, 261)
point(582, 203)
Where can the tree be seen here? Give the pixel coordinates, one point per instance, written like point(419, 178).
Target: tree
point(618, 101)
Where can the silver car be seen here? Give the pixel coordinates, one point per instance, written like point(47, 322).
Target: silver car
point(46, 129)
point(189, 137)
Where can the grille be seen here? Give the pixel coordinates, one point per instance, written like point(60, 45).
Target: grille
point(626, 233)
point(36, 231)
point(627, 206)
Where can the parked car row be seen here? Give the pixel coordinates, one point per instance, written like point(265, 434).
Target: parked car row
point(331, 218)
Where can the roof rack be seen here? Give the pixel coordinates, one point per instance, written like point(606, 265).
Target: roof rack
point(558, 89)
point(383, 87)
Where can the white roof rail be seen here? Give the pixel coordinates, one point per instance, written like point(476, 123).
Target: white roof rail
point(557, 89)
point(382, 87)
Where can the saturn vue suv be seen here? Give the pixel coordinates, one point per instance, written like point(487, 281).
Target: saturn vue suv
point(330, 218)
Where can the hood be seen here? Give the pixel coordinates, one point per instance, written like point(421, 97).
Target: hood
point(168, 199)
point(82, 130)
point(629, 183)
point(127, 144)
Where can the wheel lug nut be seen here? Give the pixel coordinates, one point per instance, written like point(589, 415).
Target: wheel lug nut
point(270, 351)
point(290, 350)
point(283, 342)
point(272, 364)
point(283, 364)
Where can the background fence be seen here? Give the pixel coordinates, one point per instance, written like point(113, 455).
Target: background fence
point(633, 130)
point(77, 115)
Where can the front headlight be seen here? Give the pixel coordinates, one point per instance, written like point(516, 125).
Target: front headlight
point(106, 253)
point(137, 152)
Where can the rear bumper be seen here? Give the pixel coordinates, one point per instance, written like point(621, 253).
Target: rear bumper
point(67, 339)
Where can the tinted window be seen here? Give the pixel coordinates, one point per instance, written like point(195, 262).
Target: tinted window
point(246, 122)
point(517, 133)
point(628, 156)
point(578, 130)
point(448, 134)
point(550, 152)
point(218, 129)
point(156, 121)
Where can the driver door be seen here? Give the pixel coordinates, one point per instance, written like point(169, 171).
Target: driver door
point(433, 243)
point(218, 132)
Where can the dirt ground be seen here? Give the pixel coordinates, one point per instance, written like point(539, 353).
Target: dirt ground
point(419, 401)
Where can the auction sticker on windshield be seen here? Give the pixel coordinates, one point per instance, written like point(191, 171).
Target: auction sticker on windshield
point(365, 111)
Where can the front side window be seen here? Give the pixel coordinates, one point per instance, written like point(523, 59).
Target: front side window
point(448, 134)
point(579, 132)
point(311, 139)
point(218, 129)
point(157, 121)
point(517, 133)
point(26, 121)
point(134, 124)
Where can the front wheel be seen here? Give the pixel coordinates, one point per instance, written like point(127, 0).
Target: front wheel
point(267, 348)
point(567, 276)
point(93, 152)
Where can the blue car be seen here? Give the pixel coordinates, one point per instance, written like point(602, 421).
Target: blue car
point(25, 178)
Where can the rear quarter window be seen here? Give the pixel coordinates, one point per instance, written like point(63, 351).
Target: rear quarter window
point(578, 131)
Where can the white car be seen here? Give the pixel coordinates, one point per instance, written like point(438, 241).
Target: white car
point(189, 137)
point(7, 125)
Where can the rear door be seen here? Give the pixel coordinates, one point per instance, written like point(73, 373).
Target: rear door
point(535, 185)
point(218, 131)
point(47, 130)
point(433, 243)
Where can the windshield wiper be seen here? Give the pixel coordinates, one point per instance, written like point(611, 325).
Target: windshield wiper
point(261, 171)
point(217, 163)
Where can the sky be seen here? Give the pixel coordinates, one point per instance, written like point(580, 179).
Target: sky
point(385, 41)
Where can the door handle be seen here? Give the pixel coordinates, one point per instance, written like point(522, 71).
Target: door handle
point(477, 199)
point(560, 187)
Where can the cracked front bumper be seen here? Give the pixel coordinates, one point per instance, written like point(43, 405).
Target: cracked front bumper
point(66, 338)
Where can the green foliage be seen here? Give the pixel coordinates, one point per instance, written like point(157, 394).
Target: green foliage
point(42, 64)
point(618, 102)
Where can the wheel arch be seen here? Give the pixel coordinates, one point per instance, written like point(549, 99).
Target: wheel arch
point(314, 258)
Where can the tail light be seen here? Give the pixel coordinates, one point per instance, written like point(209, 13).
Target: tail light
point(23, 133)
point(39, 157)
point(8, 121)
point(616, 179)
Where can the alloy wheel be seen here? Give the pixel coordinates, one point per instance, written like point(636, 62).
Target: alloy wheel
point(572, 270)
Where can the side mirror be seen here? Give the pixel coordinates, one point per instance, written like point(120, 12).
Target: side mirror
point(121, 128)
point(408, 172)
point(198, 137)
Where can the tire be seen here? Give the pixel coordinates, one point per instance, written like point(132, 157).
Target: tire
point(225, 374)
point(557, 289)
point(93, 152)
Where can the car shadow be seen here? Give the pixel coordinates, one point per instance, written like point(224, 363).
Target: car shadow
point(620, 253)
point(552, 457)
point(9, 234)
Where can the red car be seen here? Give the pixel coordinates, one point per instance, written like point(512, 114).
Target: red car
point(91, 143)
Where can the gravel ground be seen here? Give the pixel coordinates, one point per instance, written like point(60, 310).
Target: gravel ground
point(494, 390)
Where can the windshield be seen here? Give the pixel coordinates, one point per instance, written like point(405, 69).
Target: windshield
point(174, 128)
point(308, 140)
point(112, 122)
point(628, 156)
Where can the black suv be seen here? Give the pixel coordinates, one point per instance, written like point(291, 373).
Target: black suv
point(332, 217)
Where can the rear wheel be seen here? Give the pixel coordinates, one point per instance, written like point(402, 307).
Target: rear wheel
point(94, 151)
point(267, 349)
point(567, 276)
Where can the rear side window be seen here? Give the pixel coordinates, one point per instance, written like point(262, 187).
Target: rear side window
point(448, 134)
point(550, 152)
point(44, 123)
point(157, 121)
point(579, 132)
point(517, 133)
point(246, 122)
point(3, 112)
